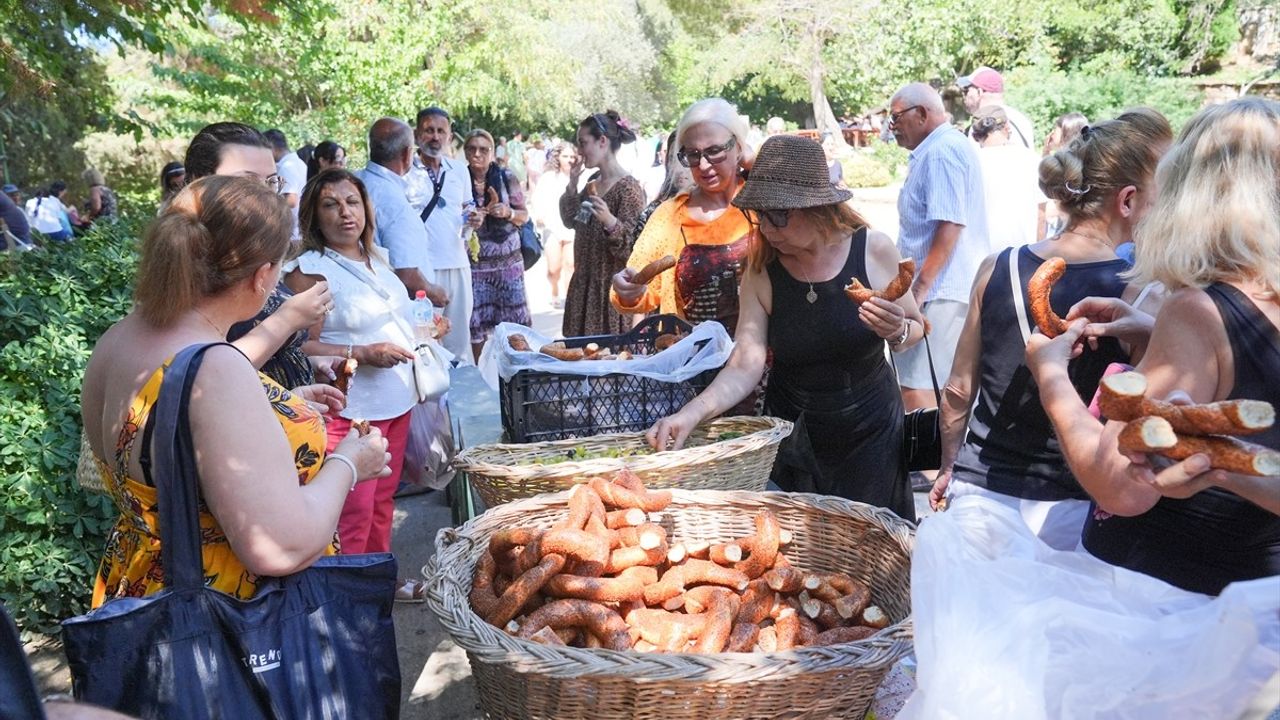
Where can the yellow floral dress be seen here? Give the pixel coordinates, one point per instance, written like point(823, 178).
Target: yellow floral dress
point(132, 567)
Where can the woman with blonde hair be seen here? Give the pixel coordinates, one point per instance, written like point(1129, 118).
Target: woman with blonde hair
point(829, 372)
point(270, 493)
point(700, 228)
point(101, 204)
point(1211, 239)
point(1003, 447)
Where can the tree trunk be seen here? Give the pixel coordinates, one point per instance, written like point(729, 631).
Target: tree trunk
point(824, 119)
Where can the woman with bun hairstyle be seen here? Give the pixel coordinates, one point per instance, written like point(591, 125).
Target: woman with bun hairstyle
point(1211, 239)
point(270, 494)
point(602, 236)
point(326, 155)
point(1005, 448)
point(1065, 129)
point(707, 236)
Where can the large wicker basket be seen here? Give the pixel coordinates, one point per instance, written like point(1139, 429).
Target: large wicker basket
point(521, 679)
point(502, 473)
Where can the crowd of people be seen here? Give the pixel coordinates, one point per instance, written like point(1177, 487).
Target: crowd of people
point(294, 265)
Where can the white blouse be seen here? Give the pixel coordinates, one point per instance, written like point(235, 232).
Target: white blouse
point(366, 304)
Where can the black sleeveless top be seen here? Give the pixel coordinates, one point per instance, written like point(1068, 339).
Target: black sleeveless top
point(1214, 537)
point(830, 377)
point(816, 345)
point(1011, 447)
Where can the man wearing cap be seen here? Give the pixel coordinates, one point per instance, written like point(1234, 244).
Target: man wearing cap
point(984, 87)
point(942, 225)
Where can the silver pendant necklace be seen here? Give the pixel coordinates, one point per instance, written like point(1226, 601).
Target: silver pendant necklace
point(811, 296)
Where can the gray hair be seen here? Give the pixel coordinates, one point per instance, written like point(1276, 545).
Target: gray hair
point(714, 110)
point(388, 140)
point(920, 94)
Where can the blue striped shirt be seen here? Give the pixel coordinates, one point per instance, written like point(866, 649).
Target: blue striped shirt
point(397, 228)
point(944, 184)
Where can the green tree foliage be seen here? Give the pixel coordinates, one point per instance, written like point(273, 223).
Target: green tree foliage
point(54, 304)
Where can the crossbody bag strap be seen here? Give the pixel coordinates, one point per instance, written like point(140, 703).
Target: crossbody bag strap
point(436, 187)
point(378, 290)
point(1015, 284)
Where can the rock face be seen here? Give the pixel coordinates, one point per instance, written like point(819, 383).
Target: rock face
point(1260, 30)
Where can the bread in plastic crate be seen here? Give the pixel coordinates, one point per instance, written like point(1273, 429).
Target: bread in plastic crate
point(540, 406)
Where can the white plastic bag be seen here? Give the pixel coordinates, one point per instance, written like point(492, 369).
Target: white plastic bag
point(707, 347)
point(1008, 628)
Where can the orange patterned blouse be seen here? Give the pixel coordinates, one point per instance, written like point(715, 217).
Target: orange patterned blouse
point(132, 567)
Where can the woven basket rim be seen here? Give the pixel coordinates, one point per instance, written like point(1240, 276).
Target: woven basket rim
point(475, 459)
point(478, 637)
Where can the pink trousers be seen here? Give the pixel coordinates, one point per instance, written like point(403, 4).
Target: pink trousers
point(365, 523)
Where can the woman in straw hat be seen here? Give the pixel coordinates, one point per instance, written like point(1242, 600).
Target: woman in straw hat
point(829, 372)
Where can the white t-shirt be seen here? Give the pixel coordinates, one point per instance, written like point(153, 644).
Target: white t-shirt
point(445, 246)
point(365, 312)
point(294, 172)
point(45, 214)
point(1011, 189)
point(1022, 131)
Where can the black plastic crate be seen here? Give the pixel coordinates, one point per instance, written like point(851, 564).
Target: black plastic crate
point(540, 406)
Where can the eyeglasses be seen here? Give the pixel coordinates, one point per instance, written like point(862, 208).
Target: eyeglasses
point(776, 218)
point(895, 117)
point(477, 150)
point(276, 183)
point(714, 155)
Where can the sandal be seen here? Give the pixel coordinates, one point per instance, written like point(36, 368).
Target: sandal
point(411, 591)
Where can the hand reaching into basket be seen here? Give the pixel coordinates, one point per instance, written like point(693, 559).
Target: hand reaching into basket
point(670, 432)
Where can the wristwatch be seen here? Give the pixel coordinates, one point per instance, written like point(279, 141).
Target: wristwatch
point(906, 331)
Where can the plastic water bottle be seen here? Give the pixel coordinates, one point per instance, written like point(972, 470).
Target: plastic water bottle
point(423, 318)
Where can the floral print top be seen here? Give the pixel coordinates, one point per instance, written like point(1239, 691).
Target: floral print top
point(131, 566)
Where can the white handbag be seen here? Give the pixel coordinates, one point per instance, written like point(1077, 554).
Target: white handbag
point(430, 371)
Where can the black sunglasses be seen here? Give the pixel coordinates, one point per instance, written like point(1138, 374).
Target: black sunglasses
point(714, 154)
point(776, 218)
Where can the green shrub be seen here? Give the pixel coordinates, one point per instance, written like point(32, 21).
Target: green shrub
point(1046, 94)
point(865, 169)
point(54, 305)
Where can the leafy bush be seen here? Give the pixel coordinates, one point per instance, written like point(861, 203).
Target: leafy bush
point(54, 305)
point(863, 170)
point(1045, 94)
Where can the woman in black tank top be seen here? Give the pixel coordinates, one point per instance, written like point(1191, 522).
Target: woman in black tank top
point(1213, 238)
point(1003, 447)
point(829, 373)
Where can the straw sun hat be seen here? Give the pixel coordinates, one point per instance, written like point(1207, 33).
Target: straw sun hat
point(789, 172)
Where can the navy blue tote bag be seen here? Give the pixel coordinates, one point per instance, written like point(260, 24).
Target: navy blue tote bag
point(316, 644)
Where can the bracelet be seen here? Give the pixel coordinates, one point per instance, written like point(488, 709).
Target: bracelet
point(906, 332)
point(355, 475)
point(349, 348)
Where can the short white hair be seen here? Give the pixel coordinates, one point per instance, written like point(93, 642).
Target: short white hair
point(714, 110)
point(775, 125)
point(922, 95)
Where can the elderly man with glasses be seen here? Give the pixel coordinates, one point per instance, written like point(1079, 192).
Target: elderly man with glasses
point(942, 225)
